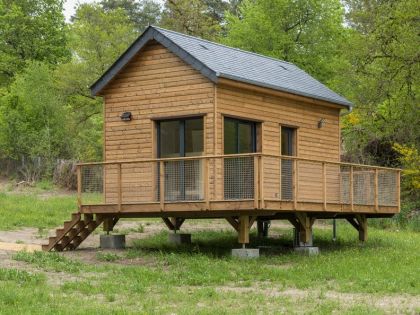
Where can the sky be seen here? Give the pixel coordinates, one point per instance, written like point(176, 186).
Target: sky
point(69, 7)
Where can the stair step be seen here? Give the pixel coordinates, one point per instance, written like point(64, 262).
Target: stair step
point(73, 232)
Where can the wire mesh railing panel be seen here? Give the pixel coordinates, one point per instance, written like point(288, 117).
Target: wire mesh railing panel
point(345, 184)
point(363, 186)
point(387, 188)
point(286, 188)
point(92, 184)
point(310, 181)
point(239, 178)
point(184, 180)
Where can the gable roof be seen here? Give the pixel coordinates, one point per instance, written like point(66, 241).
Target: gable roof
point(216, 61)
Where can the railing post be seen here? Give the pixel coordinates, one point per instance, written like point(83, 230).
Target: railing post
point(295, 183)
point(79, 187)
point(119, 187)
point(256, 184)
point(376, 190)
point(324, 185)
point(351, 188)
point(206, 183)
point(162, 185)
point(261, 180)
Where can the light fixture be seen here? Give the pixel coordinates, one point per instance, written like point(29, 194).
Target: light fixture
point(321, 122)
point(126, 116)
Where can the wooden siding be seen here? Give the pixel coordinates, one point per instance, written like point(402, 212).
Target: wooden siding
point(312, 142)
point(156, 84)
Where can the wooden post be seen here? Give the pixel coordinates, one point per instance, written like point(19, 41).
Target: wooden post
point(324, 185)
point(261, 180)
point(295, 184)
point(256, 190)
point(119, 187)
point(79, 187)
point(351, 188)
point(376, 191)
point(243, 233)
point(206, 183)
point(362, 227)
point(399, 190)
point(162, 185)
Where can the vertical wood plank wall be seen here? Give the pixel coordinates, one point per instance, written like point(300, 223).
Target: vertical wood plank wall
point(312, 142)
point(155, 84)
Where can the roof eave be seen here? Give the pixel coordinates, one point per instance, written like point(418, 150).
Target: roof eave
point(348, 105)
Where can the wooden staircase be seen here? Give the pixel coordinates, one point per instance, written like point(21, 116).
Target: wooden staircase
point(73, 233)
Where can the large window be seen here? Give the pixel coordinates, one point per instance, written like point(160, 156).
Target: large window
point(288, 148)
point(239, 137)
point(181, 138)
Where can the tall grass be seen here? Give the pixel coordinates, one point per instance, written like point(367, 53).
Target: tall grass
point(30, 210)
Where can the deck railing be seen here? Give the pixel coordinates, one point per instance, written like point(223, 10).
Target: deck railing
point(253, 177)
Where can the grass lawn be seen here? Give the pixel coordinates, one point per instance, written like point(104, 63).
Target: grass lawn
point(154, 277)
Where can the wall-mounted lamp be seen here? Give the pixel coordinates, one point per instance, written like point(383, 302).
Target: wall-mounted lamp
point(321, 122)
point(126, 116)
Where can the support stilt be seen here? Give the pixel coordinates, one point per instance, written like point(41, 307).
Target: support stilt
point(359, 222)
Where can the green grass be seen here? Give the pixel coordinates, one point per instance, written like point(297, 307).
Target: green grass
point(155, 277)
point(22, 210)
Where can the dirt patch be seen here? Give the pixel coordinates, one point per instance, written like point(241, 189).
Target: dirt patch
point(390, 304)
point(23, 236)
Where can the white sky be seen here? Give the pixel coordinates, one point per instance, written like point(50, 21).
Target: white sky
point(70, 5)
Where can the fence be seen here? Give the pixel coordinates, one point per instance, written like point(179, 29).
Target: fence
point(255, 177)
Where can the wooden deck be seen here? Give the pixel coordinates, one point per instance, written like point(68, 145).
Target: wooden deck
point(234, 185)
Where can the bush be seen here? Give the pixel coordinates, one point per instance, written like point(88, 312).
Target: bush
point(65, 174)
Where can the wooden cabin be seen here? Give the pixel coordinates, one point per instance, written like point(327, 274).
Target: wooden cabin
point(195, 129)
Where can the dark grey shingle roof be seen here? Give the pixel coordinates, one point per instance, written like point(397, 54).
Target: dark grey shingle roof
point(214, 60)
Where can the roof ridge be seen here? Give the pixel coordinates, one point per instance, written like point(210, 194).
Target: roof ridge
point(230, 47)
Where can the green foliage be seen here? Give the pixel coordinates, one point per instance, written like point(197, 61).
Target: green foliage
point(383, 76)
point(30, 30)
point(193, 17)
point(31, 116)
point(307, 33)
point(141, 13)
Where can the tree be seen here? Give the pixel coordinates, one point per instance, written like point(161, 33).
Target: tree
point(30, 30)
point(306, 32)
point(193, 17)
point(33, 116)
point(97, 38)
point(383, 79)
point(142, 13)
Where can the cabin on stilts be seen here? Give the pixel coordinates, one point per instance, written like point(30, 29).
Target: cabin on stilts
point(195, 129)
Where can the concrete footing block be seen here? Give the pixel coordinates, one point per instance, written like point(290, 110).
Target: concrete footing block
point(246, 253)
point(115, 241)
point(307, 250)
point(179, 238)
